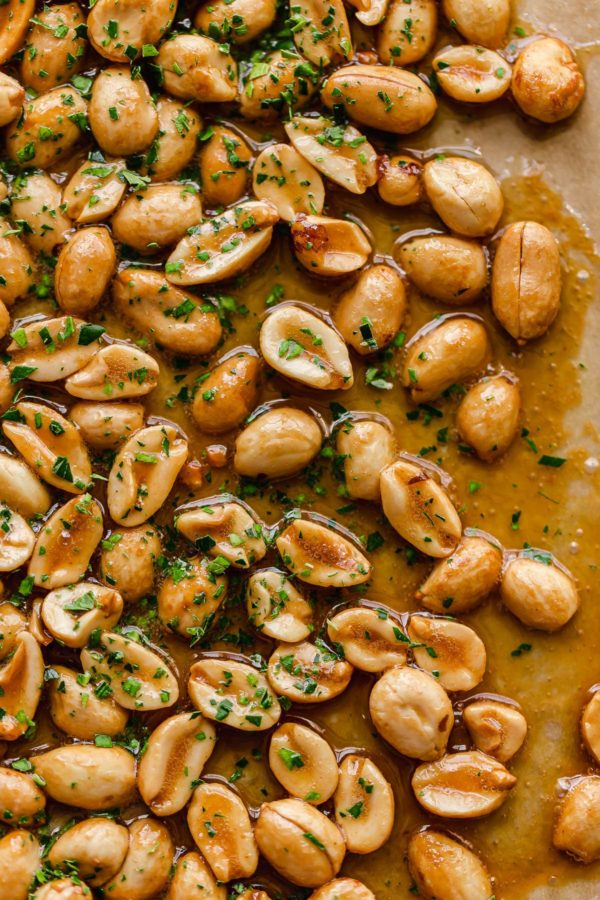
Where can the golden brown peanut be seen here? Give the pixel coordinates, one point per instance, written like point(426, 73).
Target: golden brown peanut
point(20, 854)
point(157, 217)
point(462, 785)
point(288, 181)
point(147, 866)
point(16, 269)
point(223, 247)
point(175, 144)
point(322, 46)
point(303, 763)
point(371, 641)
point(408, 32)
point(302, 346)
point(62, 552)
point(322, 556)
point(538, 592)
point(104, 426)
point(341, 154)
point(369, 315)
point(16, 540)
point(140, 678)
point(188, 606)
point(123, 117)
point(329, 247)
point(381, 97)
point(369, 12)
point(287, 84)
point(449, 269)
point(464, 194)
point(136, 24)
point(277, 444)
point(306, 673)
point(14, 20)
point(577, 825)
point(224, 162)
point(276, 608)
point(235, 532)
point(152, 457)
point(22, 800)
point(228, 394)
point(72, 613)
point(488, 416)
point(547, 82)
point(94, 191)
point(453, 651)
point(459, 583)
point(79, 712)
point(168, 315)
point(590, 726)
point(471, 74)
point(61, 110)
point(234, 692)
point(63, 889)
point(343, 889)
point(37, 202)
point(238, 21)
point(412, 712)
point(53, 50)
point(196, 68)
point(496, 728)
point(73, 344)
point(455, 350)
point(12, 623)
point(85, 267)
point(526, 280)
point(300, 843)
point(400, 182)
point(97, 846)
point(221, 828)
point(12, 95)
point(7, 390)
point(90, 777)
point(127, 561)
point(21, 489)
point(480, 23)
point(21, 682)
point(173, 761)
point(443, 869)
point(420, 509)
point(368, 447)
point(193, 880)
point(364, 805)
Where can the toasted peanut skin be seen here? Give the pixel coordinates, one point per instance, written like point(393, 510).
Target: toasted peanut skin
point(577, 825)
point(400, 180)
point(547, 82)
point(443, 869)
point(488, 416)
point(84, 269)
point(379, 296)
point(235, 385)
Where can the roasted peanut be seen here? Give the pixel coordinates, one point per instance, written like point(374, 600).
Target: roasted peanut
point(12, 623)
point(343, 888)
point(140, 678)
point(455, 350)
point(577, 825)
point(115, 28)
point(53, 348)
point(85, 267)
point(453, 651)
point(238, 21)
point(479, 23)
point(16, 268)
point(307, 673)
point(547, 82)
point(14, 20)
point(303, 763)
point(234, 692)
point(496, 728)
point(86, 776)
point(147, 866)
point(371, 641)
point(364, 805)
point(227, 527)
point(281, 83)
point(128, 560)
point(412, 712)
point(197, 68)
point(464, 194)
point(12, 95)
point(459, 583)
point(590, 725)
point(36, 201)
point(449, 269)
point(369, 12)
point(300, 843)
point(341, 153)
point(60, 112)
point(194, 880)
point(229, 393)
point(21, 681)
point(538, 592)
point(175, 144)
point(488, 416)
point(20, 489)
point(66, 542)
point(76, 709)
point(220, 825)
point(400, 180)
point(188, 605)
point(443, 869)
point(54, 49)
point(322, 556)
point(329, 247)
point(16, 540)
point(224, 162)
point(123, 117)
point(157, 217)
point(21, 798)
point(175, 756)
point(420, 509)
point(381, 97)
point(408, 32)
point(322, 46)
point(97, 846)
point(462, 785)
point(71, 613)
point(526, 280)
point(370, 314)
point(284, 178)
point(367, 447)
point(302, 346)
point(20, 854)
point(471, 74)
point(277, 444)
point(72, 888)
point(104, 426)
point(94, 191)
point(276, 608)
